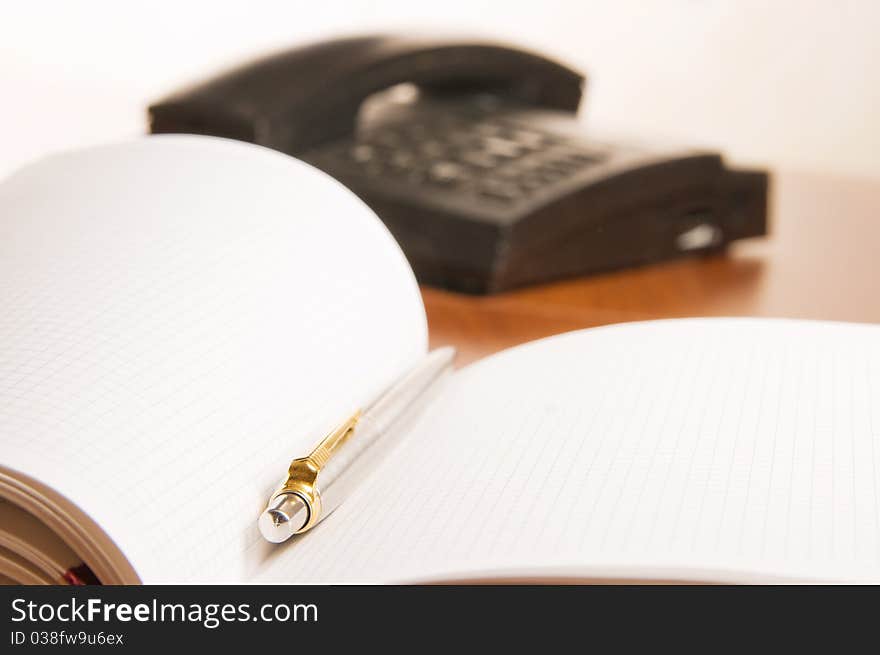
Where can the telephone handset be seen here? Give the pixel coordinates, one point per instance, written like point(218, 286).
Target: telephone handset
point(472, 155)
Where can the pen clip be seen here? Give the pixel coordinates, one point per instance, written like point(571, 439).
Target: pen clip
point(324, 450)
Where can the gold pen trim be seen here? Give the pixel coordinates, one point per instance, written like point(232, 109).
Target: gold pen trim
point(302, 475)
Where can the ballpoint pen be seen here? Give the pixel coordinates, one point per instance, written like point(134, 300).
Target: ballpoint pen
point(317, 483)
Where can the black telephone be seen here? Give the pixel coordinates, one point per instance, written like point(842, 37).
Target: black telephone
point(472, 156)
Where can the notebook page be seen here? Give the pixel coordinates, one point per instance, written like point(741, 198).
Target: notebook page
point(713, 449)
point(180, 317)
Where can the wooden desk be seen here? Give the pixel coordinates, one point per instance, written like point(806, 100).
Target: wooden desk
point(821, 261)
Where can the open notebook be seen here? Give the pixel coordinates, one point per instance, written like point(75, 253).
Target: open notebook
point(163, 358)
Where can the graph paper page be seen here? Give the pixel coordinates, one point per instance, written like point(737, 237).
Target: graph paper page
point(712, 449)
point(179, 318)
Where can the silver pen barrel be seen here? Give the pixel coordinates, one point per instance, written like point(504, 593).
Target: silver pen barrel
point(380, 427)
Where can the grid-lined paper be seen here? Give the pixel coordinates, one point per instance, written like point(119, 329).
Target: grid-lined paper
point(698, 449)
point(179, 317)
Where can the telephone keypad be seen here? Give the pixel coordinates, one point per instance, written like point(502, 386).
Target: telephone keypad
point(489, 158)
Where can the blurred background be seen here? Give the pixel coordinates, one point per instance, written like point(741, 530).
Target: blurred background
point(790, 85)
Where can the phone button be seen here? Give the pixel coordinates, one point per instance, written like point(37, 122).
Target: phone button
point(445, 172)
point(498, 190)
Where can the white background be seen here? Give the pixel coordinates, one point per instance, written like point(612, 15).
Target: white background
point(794, 85)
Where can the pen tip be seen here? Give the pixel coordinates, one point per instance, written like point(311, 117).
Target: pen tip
point(285, 516)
